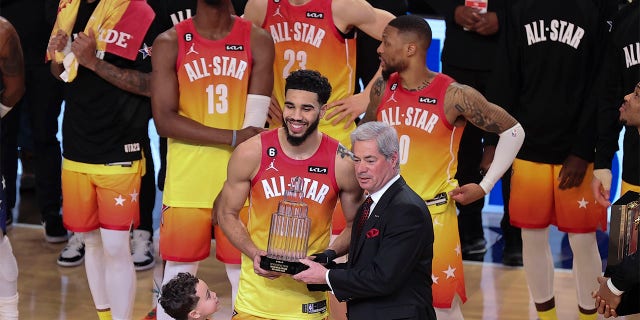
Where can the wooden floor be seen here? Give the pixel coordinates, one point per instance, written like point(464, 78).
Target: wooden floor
point(48, 291)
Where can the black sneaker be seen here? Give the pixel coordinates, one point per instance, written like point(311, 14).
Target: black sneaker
point(474, 250)
point(512, 258)
point(54, 231)
point(73, 254)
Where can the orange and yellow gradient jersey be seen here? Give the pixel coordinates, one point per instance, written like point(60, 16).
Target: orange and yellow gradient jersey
point(306, 37)
point(428, 142)
point(294, 300)
point(213, 79)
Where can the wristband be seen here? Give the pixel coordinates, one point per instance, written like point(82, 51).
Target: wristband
point(233, 139)
point(325, 257)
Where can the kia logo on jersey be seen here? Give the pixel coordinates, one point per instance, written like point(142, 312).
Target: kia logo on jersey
point(320, 170)
point(427, 100)
point(315, 15)
point(234, 47)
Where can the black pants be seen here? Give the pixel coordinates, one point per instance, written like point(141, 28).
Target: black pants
point(9, 153)
point(469, 157)
point(147, 190)
point(42, 101)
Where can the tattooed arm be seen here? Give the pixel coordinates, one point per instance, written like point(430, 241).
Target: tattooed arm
point(134, 81)
point(11, 65)
point(463, 103)
point(351, 196)
point(374, 100)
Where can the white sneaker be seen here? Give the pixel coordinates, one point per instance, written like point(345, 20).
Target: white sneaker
point(142, 250)
point(73, 254)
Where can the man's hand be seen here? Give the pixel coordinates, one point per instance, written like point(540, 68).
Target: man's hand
point(261, 272)
point(572, 172)
point(84, 48)
point(467, 17)
point(466, 194)
point(350, 108)
point(274, 117)
point(487, 25)
point(601, 186)
point(605, 301)
point(314, 275)
point(57, 43)
point(246, 133)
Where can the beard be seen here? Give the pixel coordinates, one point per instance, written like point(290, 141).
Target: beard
point(296, 141)
point(386, 73)
point(214, 3)
point(390, 69)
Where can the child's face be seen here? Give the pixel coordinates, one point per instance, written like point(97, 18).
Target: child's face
point(208, 303)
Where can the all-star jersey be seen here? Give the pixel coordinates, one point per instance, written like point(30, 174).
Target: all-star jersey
point(213, 79)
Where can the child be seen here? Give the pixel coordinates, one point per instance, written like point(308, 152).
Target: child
point(186, 297)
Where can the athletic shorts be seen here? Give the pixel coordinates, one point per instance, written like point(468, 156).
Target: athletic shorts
point(92, 200)
point(338, 222)
point(225, 251)
point(185, 234)
point(536, 201)
point(239, 315)
point(625, 186)
point(3, 208)
point(448, 275)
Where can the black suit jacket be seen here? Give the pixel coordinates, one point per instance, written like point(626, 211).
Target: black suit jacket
point(388, 275)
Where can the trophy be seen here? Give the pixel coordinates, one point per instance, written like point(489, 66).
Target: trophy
point(623, 236)
point(289, 232)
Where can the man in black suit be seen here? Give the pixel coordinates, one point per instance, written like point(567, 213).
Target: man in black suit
point(388, 275)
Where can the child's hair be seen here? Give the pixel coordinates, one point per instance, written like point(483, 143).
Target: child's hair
point(179, 297)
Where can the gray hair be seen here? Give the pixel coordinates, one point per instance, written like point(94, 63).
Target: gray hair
point(385, 136)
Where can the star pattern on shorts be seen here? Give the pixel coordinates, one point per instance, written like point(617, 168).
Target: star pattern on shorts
point(437, 223)
point(134, 195)
point(119, 200)
point(583, 203)
point(450, 272)
point(434, 278)
point(458, 250)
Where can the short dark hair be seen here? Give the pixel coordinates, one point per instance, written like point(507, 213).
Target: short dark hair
point(415, 25)
point(179, 297)
point(309, 80)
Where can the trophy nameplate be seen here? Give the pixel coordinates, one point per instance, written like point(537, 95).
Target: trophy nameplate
point(289, 232)
point(623, 233)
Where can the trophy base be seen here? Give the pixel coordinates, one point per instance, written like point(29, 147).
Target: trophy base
point(281, 266)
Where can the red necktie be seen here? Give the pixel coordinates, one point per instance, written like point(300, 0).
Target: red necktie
point(366, 207)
